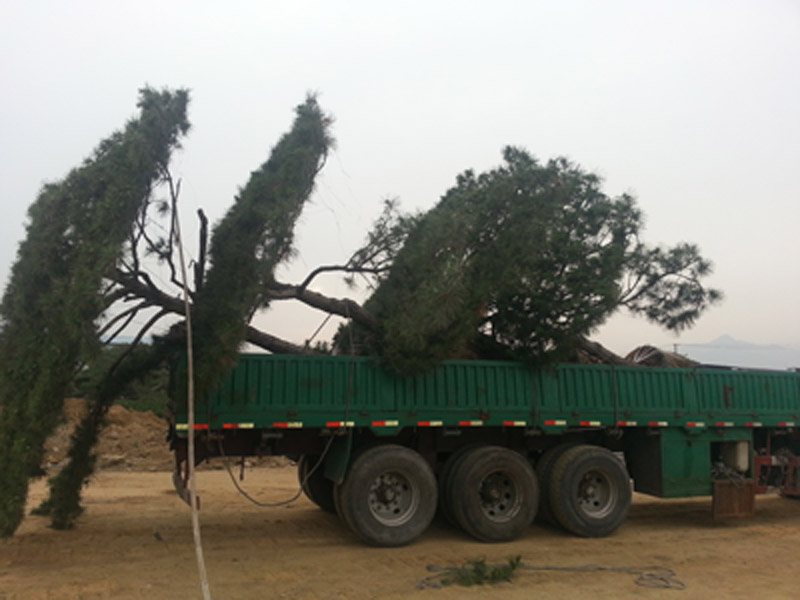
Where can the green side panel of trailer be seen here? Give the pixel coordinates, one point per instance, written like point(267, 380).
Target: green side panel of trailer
point(672, 420)
point(314, 391)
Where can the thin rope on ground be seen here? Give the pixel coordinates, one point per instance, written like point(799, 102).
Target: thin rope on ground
point(654, 576)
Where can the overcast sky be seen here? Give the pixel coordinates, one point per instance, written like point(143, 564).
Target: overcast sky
point(692, 107)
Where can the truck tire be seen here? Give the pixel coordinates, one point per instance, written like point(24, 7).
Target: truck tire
point(316, 487)
point(544, 471)
point(494, 494)
point(388, 497)
point(590, 491)
point(445, 480)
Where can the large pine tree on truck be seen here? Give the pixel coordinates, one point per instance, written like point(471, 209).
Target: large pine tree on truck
point(523, 261)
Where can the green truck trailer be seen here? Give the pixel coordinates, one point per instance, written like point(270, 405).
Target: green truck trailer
point(493, 445)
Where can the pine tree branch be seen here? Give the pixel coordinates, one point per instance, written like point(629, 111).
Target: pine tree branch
point(344, 307)
point(200, 265)
point(341, 268)
point(174, 305)
point(126, 316)
point(601, 353)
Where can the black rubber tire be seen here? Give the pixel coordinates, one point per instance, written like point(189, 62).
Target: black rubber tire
point(317, 487)
point(544, 471)
point(494, 494)
point(388, 497)
point(590, 492)
point(337, 503)
point(445, 480)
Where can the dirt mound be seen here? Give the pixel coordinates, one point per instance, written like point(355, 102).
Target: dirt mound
point(130, 441)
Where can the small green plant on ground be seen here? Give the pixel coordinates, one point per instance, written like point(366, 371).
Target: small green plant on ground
point(478, 572)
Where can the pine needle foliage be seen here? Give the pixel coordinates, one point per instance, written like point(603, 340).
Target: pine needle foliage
point(76, 232)
point(519, 262)
point(64, 501)
point(253, 238)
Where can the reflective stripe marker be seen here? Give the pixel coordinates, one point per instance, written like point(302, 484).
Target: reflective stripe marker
point(695, 424)
point(555, 423)
point(429, 424)
point(753, 424)
point(337, 424)
point(238, 425)
point(786, 424)
point(590, 423)
point(658, 424)
point(289, 425)
point(725, 424)
point(514, 423)
point(385, 423)
point(470, 423)
point(181, 426)
point(626, 423)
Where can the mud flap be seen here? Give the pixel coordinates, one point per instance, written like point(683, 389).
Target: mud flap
point(733, 499)
point(338, 459)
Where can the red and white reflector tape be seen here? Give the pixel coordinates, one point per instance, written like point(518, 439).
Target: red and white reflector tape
point(555, 422)
point(695, 424)
point(626, 423)
point(238, 425)
point(658, 424)
point(385, 423)
point(288, 425)
point(786, 424)
point(591, 424)
point(185, 427)
point(430, 424)
point(753, 424)
point(725, 424)
point(337, 424)
point(470, 423)
point(514, 423)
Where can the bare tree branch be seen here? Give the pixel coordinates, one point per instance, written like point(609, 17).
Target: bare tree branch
point(126, 316)
point(174, 305)
point(344, 307)
point(144, 329)
point(200, 265)
point(341, 268)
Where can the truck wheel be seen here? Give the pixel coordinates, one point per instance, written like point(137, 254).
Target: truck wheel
point(388, 497)
point(317, 487)
point(544, 471)
point(446, 477)
point(590, 491)
point(494, 494)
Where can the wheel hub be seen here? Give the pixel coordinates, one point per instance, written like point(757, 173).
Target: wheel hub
point(596, 494)
point(392, 499)
point(500, 497)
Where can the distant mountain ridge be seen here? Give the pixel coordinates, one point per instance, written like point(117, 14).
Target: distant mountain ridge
point(728, 351)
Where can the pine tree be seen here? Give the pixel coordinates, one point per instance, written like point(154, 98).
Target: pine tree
point(253, 238)
point(76, 233)
point(521, 262)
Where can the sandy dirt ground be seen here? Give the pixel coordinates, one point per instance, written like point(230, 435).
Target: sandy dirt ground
point(135, 541)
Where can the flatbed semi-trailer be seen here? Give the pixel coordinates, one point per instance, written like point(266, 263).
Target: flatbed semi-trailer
point(493, 444)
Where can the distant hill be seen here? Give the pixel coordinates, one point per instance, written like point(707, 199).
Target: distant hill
point(728, 351)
